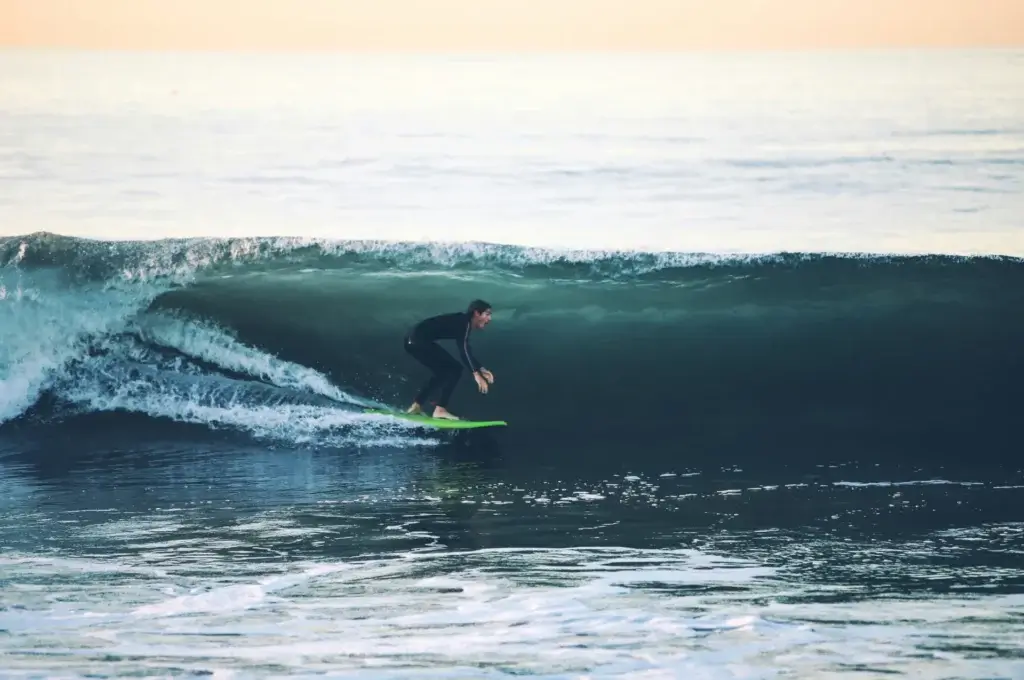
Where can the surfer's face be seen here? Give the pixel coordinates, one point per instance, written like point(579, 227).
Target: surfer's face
point(481, 319)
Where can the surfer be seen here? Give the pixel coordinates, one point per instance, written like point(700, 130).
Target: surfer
point(421, 343)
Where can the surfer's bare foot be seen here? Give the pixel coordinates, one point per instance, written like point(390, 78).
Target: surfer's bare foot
point(415, 409)
point(442, 412)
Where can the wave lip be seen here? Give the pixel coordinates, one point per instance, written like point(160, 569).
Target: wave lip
point(182, 261)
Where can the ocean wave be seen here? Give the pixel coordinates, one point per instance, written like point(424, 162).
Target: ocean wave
point(290, 337)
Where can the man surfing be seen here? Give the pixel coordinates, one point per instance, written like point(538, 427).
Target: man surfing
point(421, 343)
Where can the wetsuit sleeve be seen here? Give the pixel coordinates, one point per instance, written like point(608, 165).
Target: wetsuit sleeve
point(466, 351)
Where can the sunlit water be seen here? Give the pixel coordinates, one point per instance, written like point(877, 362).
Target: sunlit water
point(910, 151)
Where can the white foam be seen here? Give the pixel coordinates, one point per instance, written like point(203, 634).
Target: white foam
point(584, 612)
point(218, 346)
point(49, 318)
point(219, 600)
point(913, 482)
point(294, 423)
point(132, 378)
point(43, 325)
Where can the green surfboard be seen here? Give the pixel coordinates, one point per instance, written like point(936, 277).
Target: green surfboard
point(439, 423)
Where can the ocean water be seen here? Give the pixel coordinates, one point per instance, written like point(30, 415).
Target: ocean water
point(757, 335)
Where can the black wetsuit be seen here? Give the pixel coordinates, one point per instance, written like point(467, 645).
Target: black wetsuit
point(420, 343)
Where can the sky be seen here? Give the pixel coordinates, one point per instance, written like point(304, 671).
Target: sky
point(507, 25)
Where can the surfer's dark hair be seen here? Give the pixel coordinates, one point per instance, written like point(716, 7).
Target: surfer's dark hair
point(478, 307)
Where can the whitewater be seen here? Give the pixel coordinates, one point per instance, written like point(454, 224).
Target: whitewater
point(756, 334)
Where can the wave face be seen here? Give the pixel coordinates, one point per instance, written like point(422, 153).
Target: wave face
point(605, 352)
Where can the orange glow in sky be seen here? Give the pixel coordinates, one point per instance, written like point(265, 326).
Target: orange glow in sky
point(424, 25)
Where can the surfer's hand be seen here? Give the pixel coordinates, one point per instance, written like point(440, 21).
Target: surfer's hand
point(480, 382)
point(488, 376)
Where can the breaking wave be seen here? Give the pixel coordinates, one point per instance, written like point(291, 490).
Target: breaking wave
point(289, 338)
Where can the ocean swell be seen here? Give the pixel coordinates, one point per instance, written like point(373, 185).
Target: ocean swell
point(603, 352)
